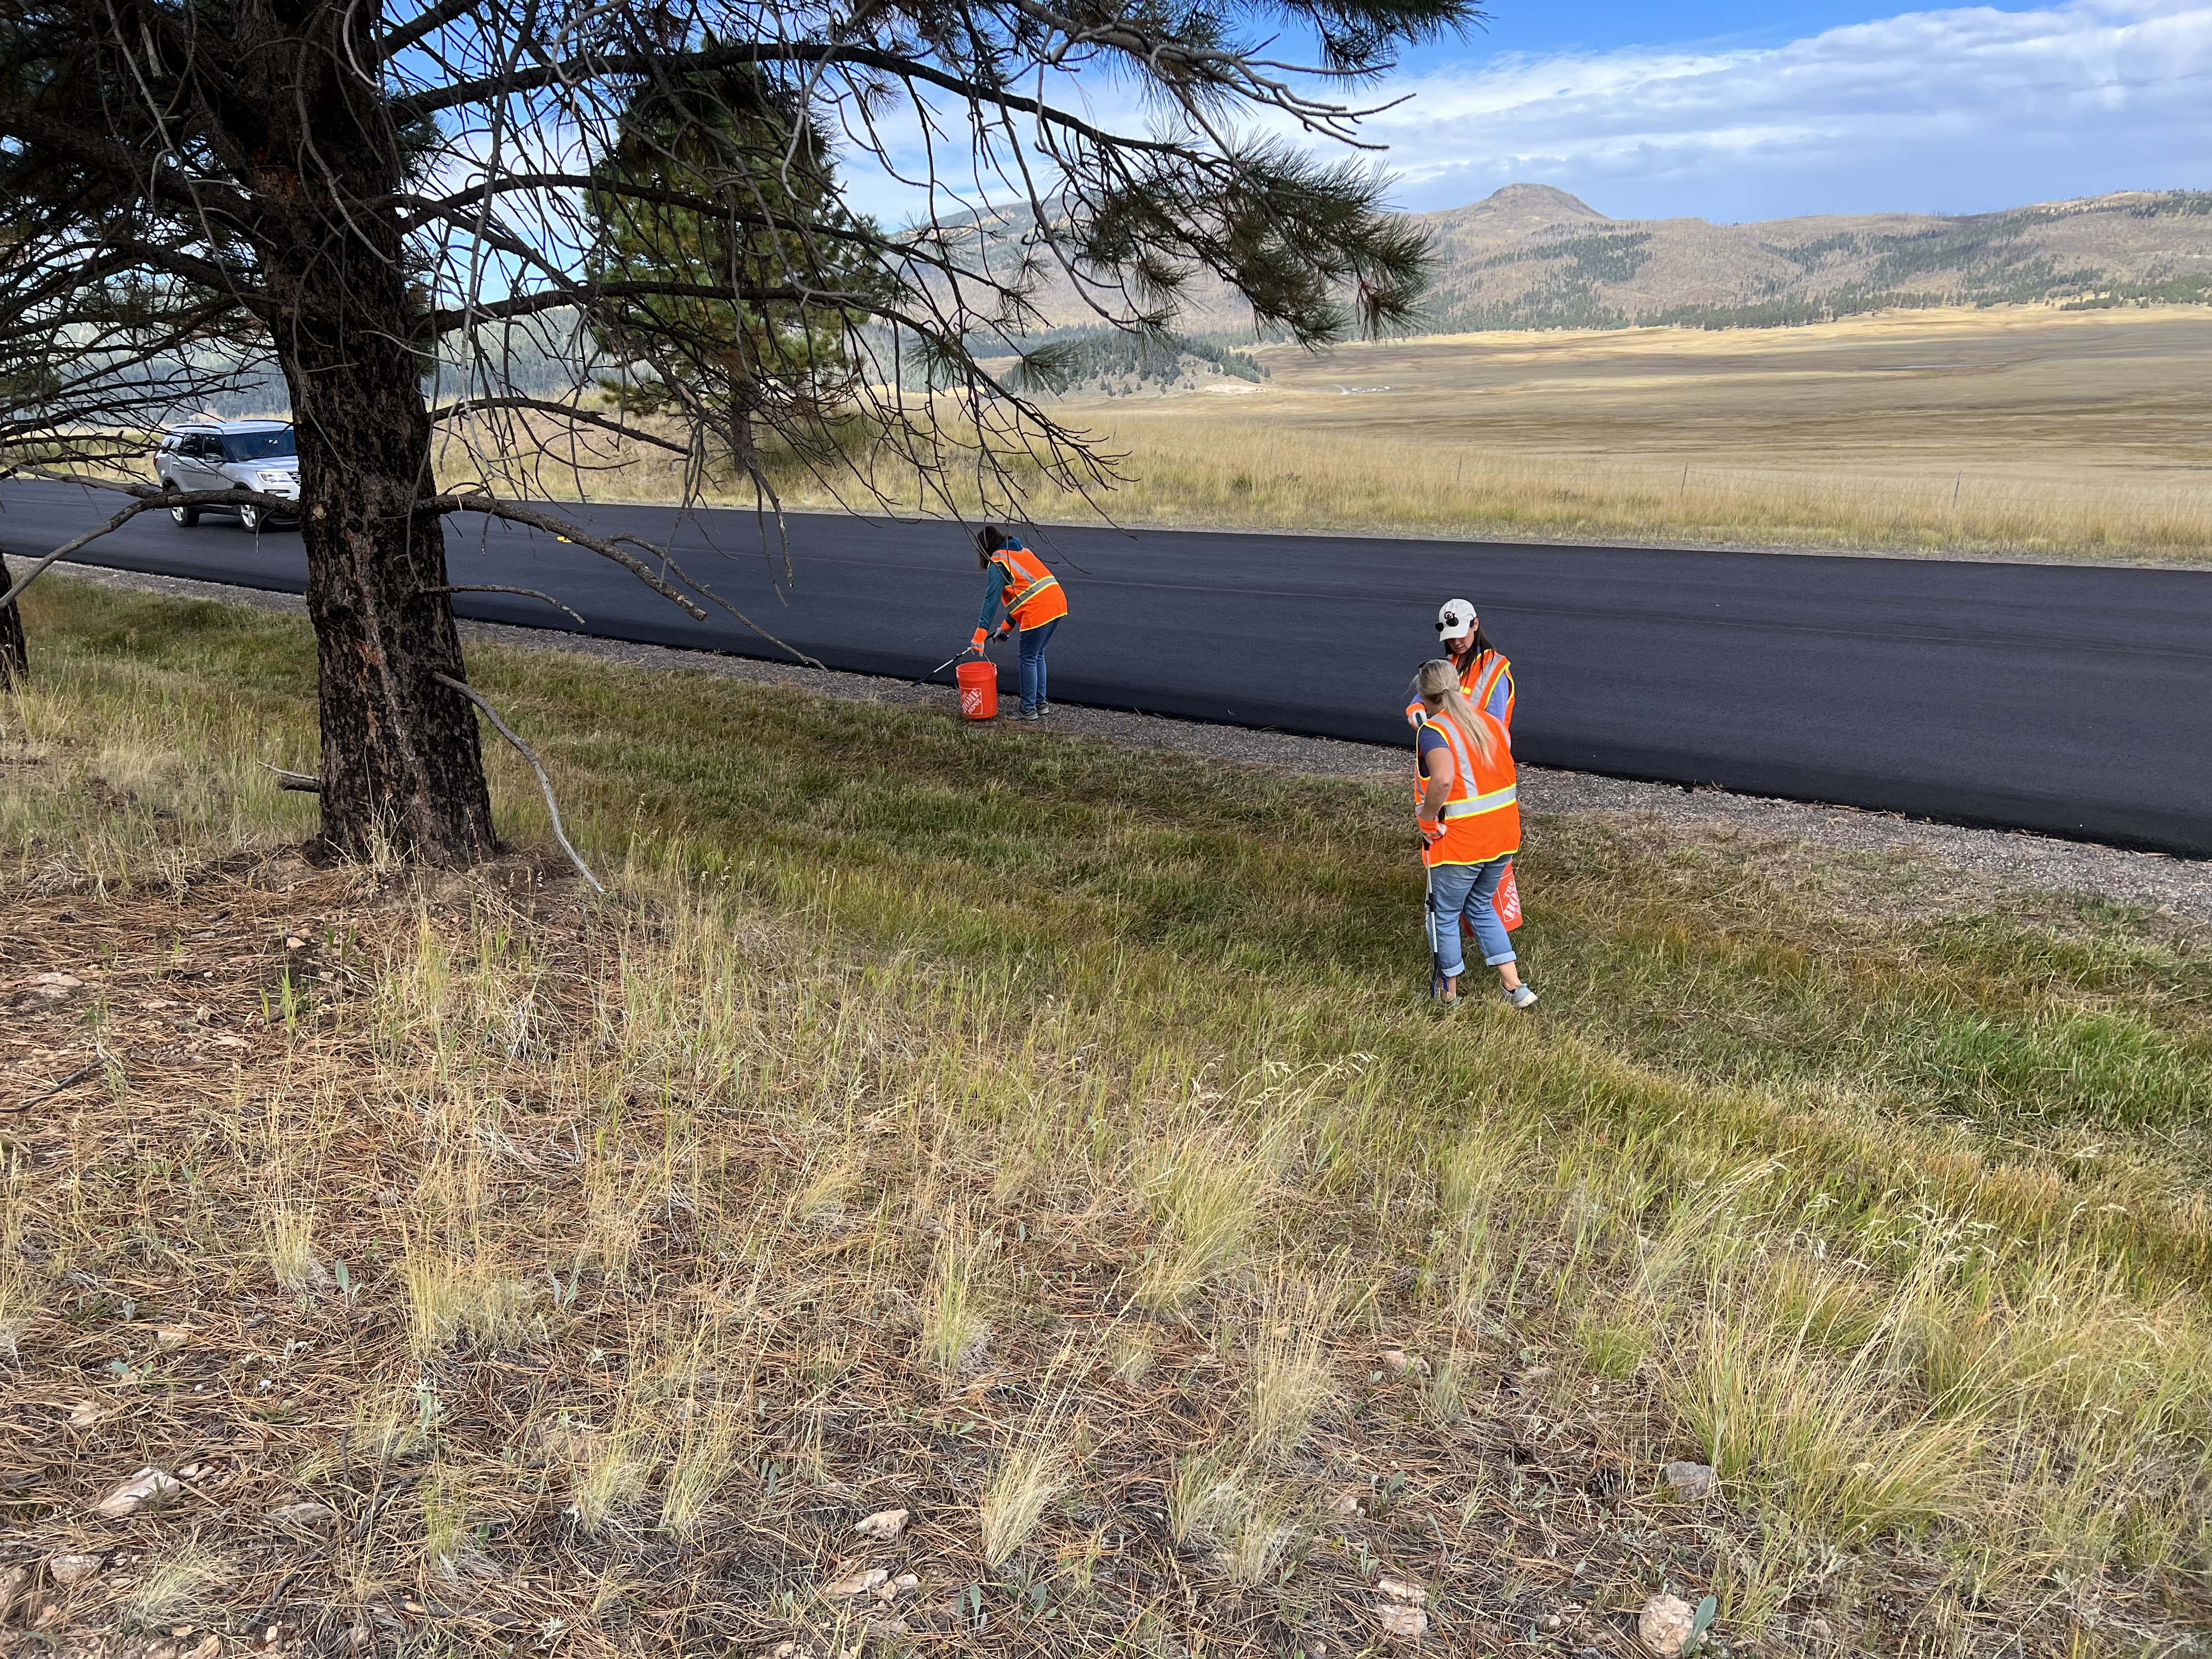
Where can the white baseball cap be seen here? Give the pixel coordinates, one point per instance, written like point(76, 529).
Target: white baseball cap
point(1456, 619)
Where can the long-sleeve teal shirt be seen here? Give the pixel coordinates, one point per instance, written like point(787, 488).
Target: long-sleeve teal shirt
point(994, 598)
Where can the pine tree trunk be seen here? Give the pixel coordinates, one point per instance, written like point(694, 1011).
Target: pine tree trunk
point(401, 767)
point(15, 653)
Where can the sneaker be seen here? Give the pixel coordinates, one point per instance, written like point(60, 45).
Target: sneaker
point(1520, 996)
point(1029, 714)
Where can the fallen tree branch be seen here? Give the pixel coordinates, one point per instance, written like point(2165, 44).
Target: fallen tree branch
point(544, 782)
point(298, 781)
point(69, 1082)
point(102, 1061)
point(495, 588)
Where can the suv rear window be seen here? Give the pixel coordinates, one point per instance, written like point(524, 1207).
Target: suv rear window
point(257, 445)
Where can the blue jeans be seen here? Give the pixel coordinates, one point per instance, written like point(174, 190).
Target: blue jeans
point(1034, 641)
point(1465, 889)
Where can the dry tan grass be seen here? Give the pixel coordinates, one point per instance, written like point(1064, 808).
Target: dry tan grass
point(667, 1222)
point(2022, 431)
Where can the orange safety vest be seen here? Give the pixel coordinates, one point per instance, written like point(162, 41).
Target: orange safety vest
point(1482, 815)
point(1032, 594)
point(1476, 682)
point(1480, 680)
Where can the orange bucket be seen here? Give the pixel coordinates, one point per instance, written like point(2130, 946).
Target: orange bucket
point(979, 689)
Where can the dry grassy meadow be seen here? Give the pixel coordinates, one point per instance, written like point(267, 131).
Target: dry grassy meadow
point(1050, 1142)
point(2014, 431)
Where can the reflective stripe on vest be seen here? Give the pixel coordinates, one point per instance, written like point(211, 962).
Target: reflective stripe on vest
point(1480, 825)
point(1038, 583)
point(1475, 805)
point(1470, 805)
point(1486, 682)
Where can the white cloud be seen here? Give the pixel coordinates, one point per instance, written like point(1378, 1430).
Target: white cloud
point(1964, 110)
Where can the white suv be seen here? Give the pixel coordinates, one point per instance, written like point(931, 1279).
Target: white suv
point(232, 455)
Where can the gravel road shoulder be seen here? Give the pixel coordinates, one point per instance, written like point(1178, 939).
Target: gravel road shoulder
point(1937, 866)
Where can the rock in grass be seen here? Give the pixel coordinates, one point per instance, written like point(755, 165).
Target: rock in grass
point(1398, 1363)
point(1665, 1623)
point(855, 1583)
point(66, 1570)
point(1688, 1481)
point(148, 1485)
point(309, 1514)
point(1407, 1624)
point(1401, 1590)
point(883, 1526)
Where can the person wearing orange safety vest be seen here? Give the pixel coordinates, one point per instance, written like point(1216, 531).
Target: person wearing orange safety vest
point(1486, 678)
point(1018, 592)
point(1466, 795)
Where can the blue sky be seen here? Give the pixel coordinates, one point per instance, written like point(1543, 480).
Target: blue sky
point(1732, 111)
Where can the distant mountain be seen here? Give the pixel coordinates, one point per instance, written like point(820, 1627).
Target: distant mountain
point(1533, 256)
point(1530, 256)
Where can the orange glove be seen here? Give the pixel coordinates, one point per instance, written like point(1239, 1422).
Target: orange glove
point(1433, 831)
point(980, 635)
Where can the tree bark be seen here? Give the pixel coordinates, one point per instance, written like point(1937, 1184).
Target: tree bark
point(402, 766)
point(14, 653)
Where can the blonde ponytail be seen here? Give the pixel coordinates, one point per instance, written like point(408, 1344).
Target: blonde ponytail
point(1439, 682)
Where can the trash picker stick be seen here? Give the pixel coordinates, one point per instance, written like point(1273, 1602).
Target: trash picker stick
point(942, 667)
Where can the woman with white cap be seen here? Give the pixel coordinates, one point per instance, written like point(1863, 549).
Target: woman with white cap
point(1486, 678)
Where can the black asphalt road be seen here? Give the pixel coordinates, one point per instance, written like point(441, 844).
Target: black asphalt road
point(2073, 700)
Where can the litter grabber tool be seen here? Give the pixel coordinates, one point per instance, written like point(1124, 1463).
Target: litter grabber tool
point(946, 664)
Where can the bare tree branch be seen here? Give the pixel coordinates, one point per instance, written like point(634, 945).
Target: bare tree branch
point(495, 588)
point(149, 498)
point(330, 203)
point(552, 806)
point(423, 24)
point(566, 412)
point(299, 781)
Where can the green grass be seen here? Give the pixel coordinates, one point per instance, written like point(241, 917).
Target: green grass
point(1063, 862)
point(1898, 1221)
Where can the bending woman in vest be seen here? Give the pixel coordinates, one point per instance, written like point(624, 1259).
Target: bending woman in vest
point(1018, 592)
point(1470, 827)
point(1486, 678)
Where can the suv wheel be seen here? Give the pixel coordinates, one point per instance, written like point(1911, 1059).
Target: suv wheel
point(184, 515)
point(249, 518)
